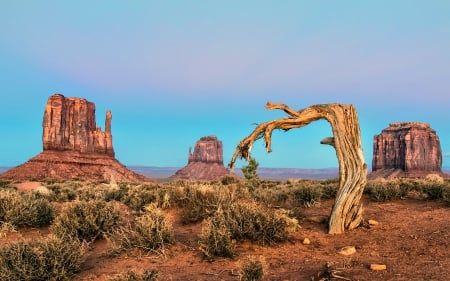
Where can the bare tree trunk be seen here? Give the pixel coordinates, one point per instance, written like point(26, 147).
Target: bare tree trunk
point(347, 209)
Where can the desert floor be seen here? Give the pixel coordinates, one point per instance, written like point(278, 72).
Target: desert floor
point(412, 239)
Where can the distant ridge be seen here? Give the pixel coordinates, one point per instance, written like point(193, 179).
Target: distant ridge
point(264, 173)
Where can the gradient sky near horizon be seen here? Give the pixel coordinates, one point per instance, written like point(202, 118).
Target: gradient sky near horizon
point(174, 71)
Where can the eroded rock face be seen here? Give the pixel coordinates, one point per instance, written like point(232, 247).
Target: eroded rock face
point(69, 124)
point(406, 149)
point(206, 162)
point(73, 146)
point(207, 150)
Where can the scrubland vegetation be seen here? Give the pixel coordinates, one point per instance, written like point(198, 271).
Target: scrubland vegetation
point(133, 217)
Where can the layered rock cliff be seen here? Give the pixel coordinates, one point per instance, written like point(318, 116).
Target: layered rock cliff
point(406, 149)
point(206, 162)
point(69, 124)
point(73, 146)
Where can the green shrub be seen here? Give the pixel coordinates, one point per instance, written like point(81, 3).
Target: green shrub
point(434, 190)
point(307, 195)
point(253, 269)
point(6, 185)
point(250, 173)
point(380, 191)
point(25, 209)
point(151, 233)
point(132, 275)
point(86, 220)
point(49, 259)
point(215, 239)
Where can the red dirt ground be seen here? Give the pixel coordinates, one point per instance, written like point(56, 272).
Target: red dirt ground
point(411, 239)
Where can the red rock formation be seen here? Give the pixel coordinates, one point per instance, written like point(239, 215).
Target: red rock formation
point(206, 162)
point(406, 149)
point(207, 150)
point(69, 124)
point(74, 147)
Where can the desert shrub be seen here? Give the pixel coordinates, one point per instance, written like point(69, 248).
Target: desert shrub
point(226, 180)
point(25, 209)
point(244, 220)
point(117, 193)
point(329, 188)
point(140, 196)
point(151, 232)
point(446, 194)
point(49, 259)
point(249, 220)
point(253, 269)
point(6, 185)
point(307, 195)
point(62, 193)
point(215, 239)
point(86, 220)
point(201, 201)
point(132, 275)
point(434, 190)
point(382, 191)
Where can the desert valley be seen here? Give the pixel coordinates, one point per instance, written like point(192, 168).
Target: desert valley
point(74, 212)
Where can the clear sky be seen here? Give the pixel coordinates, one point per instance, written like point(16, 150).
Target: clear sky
point(174, 71)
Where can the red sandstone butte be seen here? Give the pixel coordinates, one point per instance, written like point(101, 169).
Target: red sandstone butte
point(406, 149)
point(73, 146)
point(206, 162)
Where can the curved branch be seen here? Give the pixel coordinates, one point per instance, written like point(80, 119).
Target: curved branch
point(347, 210)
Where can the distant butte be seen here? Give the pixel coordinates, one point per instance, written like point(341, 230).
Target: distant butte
point(206, 162)
point(406, 149)
point(73, 146)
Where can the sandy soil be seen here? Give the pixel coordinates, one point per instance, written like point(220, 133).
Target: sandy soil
point(411, 239)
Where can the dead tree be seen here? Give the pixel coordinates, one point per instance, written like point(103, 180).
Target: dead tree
point(347, 209)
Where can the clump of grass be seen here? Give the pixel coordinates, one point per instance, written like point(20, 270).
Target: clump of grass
point(215, 239)
point(253, 269)
point(86, 220)
point(382, 191)
point(25, 209)
point(151, 232)
point(49, 259)
point(132, 275)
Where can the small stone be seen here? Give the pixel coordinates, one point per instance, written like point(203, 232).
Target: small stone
point(373, 222)
point(347, 251)
point(375, 266)
point(306, 241)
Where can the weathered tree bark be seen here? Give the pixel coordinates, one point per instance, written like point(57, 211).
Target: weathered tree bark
point(347, 209)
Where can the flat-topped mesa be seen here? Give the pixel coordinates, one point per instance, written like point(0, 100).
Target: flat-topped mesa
point(207, 150)
point(69, 124)
point(406, 149)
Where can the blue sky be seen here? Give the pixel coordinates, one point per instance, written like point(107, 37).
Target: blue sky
point(174, 71)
